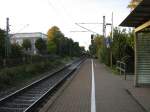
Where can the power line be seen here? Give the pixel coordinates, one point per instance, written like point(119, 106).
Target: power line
point(50, 3)
point(66, 11)
point(57, 12)
point(86, 28)
point(79, 31)
point(60, 11)
point(90, 23)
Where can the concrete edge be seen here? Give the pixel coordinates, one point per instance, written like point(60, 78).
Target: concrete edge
point(135, 99)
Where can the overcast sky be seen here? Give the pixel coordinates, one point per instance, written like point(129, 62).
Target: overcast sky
point(40, 15)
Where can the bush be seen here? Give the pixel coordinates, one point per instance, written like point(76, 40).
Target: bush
point(10, 76)
point(31, 69)
point(6, 77)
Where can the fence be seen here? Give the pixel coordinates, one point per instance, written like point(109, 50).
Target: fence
point(25, 60)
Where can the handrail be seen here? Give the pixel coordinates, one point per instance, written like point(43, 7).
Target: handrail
point(121, 67)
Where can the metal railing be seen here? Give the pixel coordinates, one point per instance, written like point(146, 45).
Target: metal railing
point(121, 67)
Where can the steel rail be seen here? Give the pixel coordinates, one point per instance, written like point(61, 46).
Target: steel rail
point(28, 98)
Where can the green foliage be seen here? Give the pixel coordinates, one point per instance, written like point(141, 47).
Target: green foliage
point(130, 39)
point(16, 50)
point(77, 49)
point(61, 45)
point(54, 33)
point(119, 43)
point(104, 54)
point(96, 45)
point(51, 47)
point(11, 76)
point(26, 44)
point(122, 48)
point(40, 44)
point(92, 49)
point(2, 43)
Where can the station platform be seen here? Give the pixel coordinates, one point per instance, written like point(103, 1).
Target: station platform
point(109, 92)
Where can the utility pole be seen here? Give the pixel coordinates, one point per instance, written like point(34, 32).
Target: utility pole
point(112, 36)
point(104, 26)
point(104, 34)
point(7, 36)
point(112, 26)
point(7, 45)
point(7, 40)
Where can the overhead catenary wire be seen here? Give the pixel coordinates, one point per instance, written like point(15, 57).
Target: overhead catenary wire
point(66, 12)
point(79, 31)
point(90, 23)
point(70, 18)
point(57, 12)
point(86, 28)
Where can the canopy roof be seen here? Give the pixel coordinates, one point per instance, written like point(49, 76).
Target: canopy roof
point(138, 16)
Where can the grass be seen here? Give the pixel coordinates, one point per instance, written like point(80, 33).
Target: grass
point(114, 71)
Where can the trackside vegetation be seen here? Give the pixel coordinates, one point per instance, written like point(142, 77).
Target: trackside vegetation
point(120, 48)
point(10, 77)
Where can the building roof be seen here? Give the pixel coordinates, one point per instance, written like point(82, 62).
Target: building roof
point(138, 16)
point(29, 35)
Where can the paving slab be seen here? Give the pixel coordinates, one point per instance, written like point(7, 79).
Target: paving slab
point(140, 94)
point(111, 95)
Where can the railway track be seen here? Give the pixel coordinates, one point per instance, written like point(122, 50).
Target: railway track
point(30, 97)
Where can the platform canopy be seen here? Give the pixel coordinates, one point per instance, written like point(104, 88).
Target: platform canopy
point(139, 16)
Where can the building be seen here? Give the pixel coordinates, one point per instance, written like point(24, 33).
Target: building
point(139, 18)
point(19, 37)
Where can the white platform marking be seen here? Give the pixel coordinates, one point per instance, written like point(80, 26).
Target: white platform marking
point(93, 104)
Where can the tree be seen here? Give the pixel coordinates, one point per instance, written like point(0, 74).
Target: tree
point(130, 39)
point(122, 47)
point(92, 49)
point(2, 43)
point(133, 4)
point(54, 33)
point(119, 43)
point(82, 49)
point(51, 47)
point(70, 47)
point(26, 44)
point(62, 45)
point(40, 44)
point(16, 50)
point(104, 54)
point(96, 45)
point(54, 37)
point(76, 49)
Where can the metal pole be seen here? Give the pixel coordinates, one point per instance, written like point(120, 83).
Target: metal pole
point(112, 36)
point(104, 27)
point(8, 49)
point(125, 71)
point(112, 26)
